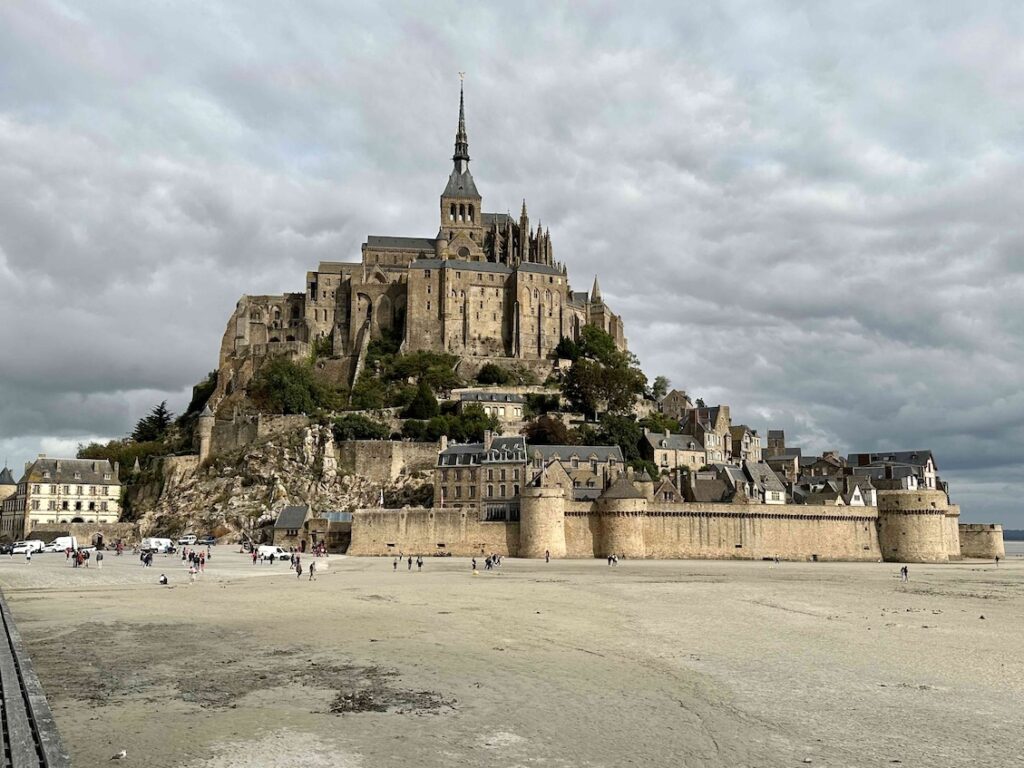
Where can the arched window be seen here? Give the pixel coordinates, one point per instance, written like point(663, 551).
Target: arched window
point(451, 213)
point(462, 212)
point(256, 315)
point(470, 212)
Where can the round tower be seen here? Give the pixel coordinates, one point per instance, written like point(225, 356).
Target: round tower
point(982, 541)
point(912, 526)
point(622, 510)
point(204, 429)
point(542, 521)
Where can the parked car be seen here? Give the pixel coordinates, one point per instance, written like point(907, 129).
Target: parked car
point(5, 549)
point(32, 545)
point(266, 550)
point(188, 540)
point(52, 547)
point(158, 545)
point(206, 541)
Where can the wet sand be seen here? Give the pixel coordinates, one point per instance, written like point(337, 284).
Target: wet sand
point(573, 663)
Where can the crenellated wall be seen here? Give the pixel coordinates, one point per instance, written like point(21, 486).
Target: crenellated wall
point(626, 527)
point(982, 541)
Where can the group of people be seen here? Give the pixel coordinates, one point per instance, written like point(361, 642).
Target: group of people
point(297, 566)
point(196, 560)
point(613, 559)
point(397, 560)
point(80, 557)
point(904, 573)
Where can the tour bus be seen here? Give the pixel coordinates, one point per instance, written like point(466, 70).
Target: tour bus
point(160, 546)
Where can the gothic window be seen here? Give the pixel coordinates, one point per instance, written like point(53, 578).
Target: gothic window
point(462, 212)
point(255, 315)
point(451, 213)
point(470, 212)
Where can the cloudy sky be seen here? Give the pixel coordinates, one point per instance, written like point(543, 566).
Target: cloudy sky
point(808, 210)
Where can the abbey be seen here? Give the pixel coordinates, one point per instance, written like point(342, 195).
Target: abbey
point(486, 287)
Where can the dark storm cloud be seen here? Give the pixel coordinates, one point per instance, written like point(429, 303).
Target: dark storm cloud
point(808, 211)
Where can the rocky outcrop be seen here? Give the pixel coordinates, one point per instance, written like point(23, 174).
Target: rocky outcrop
point(237, 493)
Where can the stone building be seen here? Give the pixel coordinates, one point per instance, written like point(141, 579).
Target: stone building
point(291, 529)
point(483, 477)
point(506, 407)
point(746, 443)
point(62, 491)
point(671, 452)
point(486, 287)
point(589, 469)
point(8, 485)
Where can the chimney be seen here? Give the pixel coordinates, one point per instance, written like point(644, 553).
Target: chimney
point(488, 439)
point(442, 444)
point(668, 432)
point(117, 468)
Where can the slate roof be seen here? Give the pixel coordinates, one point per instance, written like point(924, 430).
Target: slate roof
point(503, 450)
point(491, 397)
point(602, 453)
point(776, 434)
point(913, 458)
point(674, 442)
point(461, 185)
point(292, 517)
point(90, 471)
point(6, 478)
point(401, 243)
point(622, 489)
point(471, 266)
point(761, 473)
point(496, 218)
point(708, 490)
point(544, 269)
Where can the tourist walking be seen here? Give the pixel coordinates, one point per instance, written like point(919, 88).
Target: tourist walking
point(28, 556)
point(298, 569)
point(394, 564)
point(474, 565)
point(312, 570)
point(192, 574)
point(410, 562)
point(419, 563)
point(99, 559)
point(547, 555)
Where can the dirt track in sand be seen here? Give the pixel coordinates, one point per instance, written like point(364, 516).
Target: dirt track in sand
point(566, 664)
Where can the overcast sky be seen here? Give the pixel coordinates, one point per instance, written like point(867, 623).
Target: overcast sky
point(809, 211)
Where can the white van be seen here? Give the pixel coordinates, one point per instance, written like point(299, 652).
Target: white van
point(188, 540)
point(160, 546)
point(266, 550)
point(62, 543)
point(30, 545)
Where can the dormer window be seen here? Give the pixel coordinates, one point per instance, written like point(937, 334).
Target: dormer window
point(78, 475)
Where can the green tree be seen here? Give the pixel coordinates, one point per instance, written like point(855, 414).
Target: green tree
point(602, 378)
point(546, 430)
point(494, 374)
point(424, 404)
point(154, 425)
point(356, 426)
point(660, 387)
point(659, 422)
point(623, 431)
point(283, 386)
point(567, 349)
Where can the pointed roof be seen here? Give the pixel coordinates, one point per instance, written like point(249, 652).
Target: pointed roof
point(523, 212)
point(6, 478)
point(461, 139)
point(622, 488)
point(207, 413)
point(595, 292)
point(460, 182)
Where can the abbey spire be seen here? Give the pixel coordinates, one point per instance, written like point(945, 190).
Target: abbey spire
point(461, 156)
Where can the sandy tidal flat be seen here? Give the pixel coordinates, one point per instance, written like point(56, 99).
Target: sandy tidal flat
point(572, 663)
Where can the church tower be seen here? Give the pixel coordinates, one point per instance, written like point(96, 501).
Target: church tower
point(461, 235)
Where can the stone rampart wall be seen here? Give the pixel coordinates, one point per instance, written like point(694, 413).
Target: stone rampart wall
point(232, 435)
point(912, 526)
point(667, 531)
point(385, 460)
point(982, 541)
point(417, 530)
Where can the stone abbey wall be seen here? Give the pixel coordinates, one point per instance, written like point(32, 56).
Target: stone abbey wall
point(982, 541)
